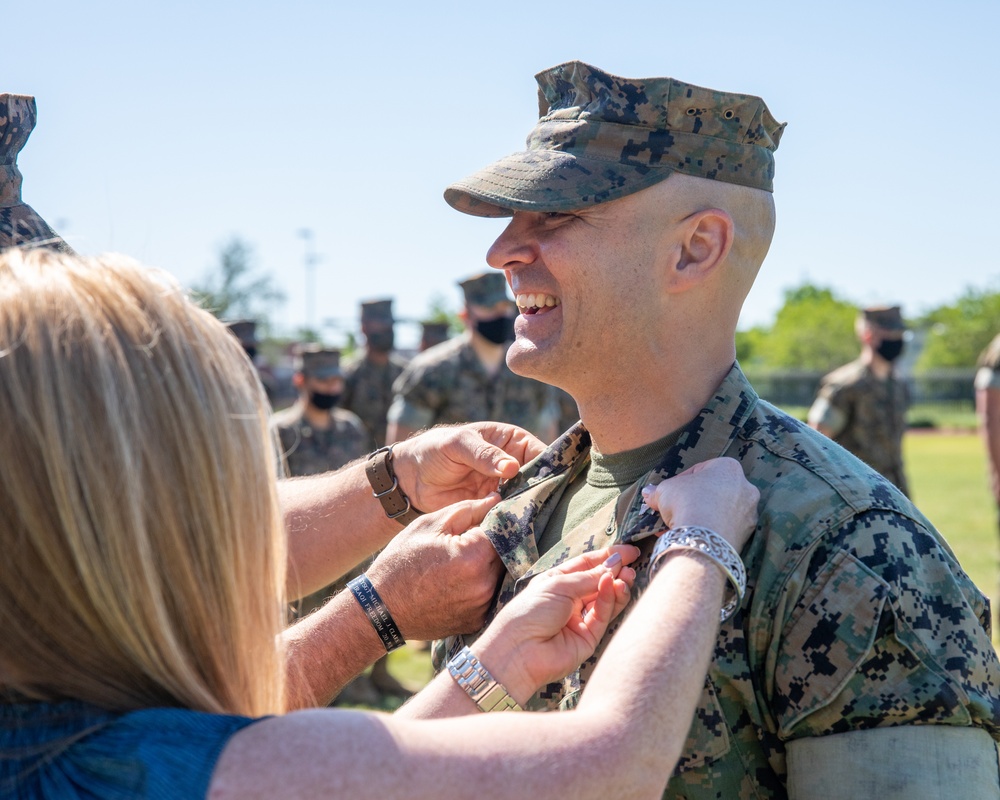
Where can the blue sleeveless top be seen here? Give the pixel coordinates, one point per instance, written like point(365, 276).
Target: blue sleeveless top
point(75, 750)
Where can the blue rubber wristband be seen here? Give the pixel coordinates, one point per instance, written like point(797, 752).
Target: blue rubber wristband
point(378, 614)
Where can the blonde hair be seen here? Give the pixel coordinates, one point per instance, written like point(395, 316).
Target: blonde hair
point(143, 550)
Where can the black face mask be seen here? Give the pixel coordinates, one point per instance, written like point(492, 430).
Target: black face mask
point(890, 349)
point(251, 351)
point(497, 330)
point(381, 341)
point(324, 402)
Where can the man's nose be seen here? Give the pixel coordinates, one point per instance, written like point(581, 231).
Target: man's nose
point(514, 247)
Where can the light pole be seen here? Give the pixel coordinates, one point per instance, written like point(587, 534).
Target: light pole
point(311, 260)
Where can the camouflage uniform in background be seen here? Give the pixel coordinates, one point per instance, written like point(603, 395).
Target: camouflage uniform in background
point(20, 226)
point(448, 384)
point(367, 384)
point(871, 414)
point(309, 451)
point(856, 615)
point(368, 391)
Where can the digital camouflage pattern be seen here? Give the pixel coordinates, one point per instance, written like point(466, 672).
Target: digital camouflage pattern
point(20, 225)
point(310, 451)
point(856, 615)
point(867, 416)
point(448, 384)
point(600, 137)
point(368, 391)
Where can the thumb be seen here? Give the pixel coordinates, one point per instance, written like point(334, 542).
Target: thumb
point(465, 514)
point(485, 457)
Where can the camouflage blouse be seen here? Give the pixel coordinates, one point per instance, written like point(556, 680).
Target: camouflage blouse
point(856, 615)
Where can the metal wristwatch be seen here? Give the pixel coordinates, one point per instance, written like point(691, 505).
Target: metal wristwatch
point(477, 682)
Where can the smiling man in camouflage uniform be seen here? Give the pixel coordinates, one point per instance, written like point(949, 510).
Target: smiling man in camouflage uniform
point(859, 663)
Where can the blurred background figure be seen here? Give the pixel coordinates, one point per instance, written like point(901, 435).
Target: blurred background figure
point(368, 377)
point(862, 405)
point(988, 411)
point(20, 226)
point(315, 435)
point(433, 333)
point(245, 330)
point(466, 379)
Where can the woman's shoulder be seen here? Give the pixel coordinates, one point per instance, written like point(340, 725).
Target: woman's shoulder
point(71, 749)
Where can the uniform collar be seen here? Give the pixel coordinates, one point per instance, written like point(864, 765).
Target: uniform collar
point(530, 498)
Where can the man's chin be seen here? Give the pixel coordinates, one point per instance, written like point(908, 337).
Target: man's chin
point(530, 359)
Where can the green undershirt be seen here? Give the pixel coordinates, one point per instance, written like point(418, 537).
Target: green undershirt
point(606, 478)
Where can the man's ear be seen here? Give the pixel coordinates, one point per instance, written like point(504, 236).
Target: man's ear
point(706, 239)
point(298, 380)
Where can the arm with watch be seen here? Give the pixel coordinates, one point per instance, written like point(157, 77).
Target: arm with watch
point(438, 575)
point(624, 737)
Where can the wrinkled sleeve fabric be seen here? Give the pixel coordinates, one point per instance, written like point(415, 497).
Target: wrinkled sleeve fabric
point(878, 626)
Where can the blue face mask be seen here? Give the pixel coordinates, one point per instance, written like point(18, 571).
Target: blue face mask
point(890, 349)
point(497, 330)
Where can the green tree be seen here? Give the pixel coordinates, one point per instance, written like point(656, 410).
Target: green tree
point(814, 330)
point(440, 311)
point(958, 332)
point(233, 289)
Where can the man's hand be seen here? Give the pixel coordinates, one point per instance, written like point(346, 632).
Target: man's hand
point(447, 464)
point(438, 576)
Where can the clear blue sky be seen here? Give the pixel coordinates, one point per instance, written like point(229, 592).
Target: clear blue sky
point(166, 128)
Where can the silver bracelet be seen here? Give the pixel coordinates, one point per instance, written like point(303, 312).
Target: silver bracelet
point(483, 688)
point(708, 543)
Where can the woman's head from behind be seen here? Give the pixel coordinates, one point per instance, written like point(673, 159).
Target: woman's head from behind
point(142, 548)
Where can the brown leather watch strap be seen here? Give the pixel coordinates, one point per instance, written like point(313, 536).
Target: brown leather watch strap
point(385, 487)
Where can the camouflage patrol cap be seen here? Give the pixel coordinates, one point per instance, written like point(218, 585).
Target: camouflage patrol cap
point(433, 333)
point(600, 137)
point(245, 330)
point(888, 318)
point(485, 289)
point(377, 311)
point(316, 361)
point(20, 226)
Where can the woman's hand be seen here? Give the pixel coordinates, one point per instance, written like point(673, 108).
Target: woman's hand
point(714, 494)
point(558, 620)
point(461, 462)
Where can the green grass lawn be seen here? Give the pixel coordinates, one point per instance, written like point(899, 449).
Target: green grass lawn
point(947, 473)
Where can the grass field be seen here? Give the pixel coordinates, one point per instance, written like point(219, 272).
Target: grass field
point(947, 475)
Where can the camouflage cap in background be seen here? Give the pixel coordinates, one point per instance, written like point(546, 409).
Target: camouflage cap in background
point(377, 311)
point(316, 361)
point(888, 318)
point(245, 330)
point(601, 137)
point(486, 289)
point(20, 226)
point(432, 333)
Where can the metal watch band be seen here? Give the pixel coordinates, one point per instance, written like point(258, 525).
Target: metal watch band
point(385, 487)
point(477, 682)
point(708, 543)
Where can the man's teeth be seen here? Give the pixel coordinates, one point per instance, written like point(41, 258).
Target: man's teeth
point(528, 301)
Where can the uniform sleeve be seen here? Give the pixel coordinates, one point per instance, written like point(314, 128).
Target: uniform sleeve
point(987, 378)
point(877, 627)
point(417, 397)
point(825, 415)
